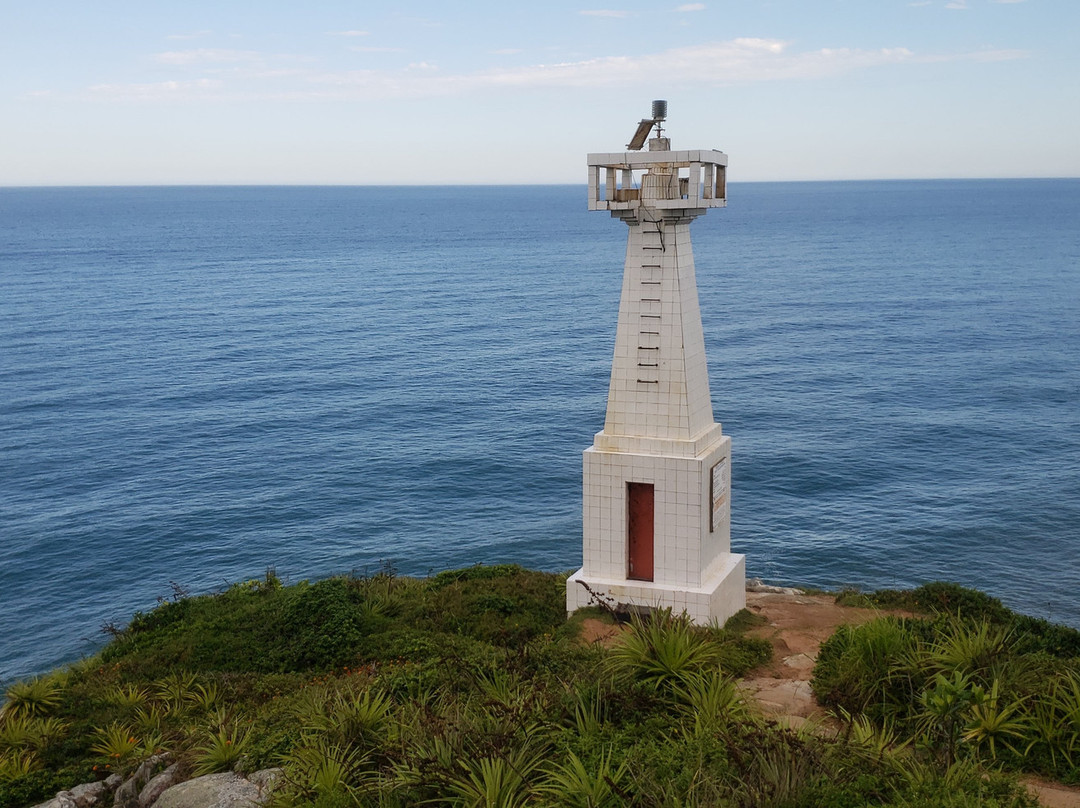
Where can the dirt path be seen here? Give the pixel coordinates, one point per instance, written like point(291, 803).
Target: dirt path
point(797, 626)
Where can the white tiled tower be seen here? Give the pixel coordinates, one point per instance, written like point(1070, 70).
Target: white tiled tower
point(657, 479)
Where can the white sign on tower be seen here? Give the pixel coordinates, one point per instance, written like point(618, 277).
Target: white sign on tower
point(657, 516)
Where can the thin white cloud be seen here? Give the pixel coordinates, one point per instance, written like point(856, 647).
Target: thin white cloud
point(957, 5)
point(736, 61)
point(206, 56)
point(348, 33)
point(733, 62)
point(1009, 1)
point(921, 3)
point(691, 7)
point(605, 12)
point(156, 91)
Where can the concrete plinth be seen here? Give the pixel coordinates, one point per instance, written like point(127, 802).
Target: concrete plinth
point(722, 593)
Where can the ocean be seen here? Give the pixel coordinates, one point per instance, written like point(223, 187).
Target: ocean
point(201, 383)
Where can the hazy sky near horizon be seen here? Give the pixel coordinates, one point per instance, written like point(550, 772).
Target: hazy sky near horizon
point(417, 92)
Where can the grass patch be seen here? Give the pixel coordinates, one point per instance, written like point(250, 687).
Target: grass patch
point(472, 687)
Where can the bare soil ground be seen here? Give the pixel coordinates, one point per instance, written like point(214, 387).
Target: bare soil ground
point(797, 625)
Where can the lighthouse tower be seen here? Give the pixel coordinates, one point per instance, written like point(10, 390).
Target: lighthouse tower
point(657, 479)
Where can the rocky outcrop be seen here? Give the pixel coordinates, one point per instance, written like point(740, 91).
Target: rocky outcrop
point(127, 796)
point(90, 794)
point(158, 784)
point(61, 800)
point(149, 787)
point(86, 795)
point(757, 585)
point(228, 790)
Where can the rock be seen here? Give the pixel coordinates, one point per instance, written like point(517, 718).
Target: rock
point(227, 790)
point(782, 696)
point(89, 794)
point(757, 585)
point(63, 799)
point(158, 784)
point(265, 779)
point(127, 796)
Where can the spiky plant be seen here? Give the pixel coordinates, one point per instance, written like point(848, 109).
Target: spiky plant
point(204, 697)
point(116, 742)
point(48, 730)
point(871, 742)
point(589, 713)
point(360, 718)
point(502, 688)
point(1066, 700)
point(1049, 733)
point(712, 699)
point(494, 782)
point(991, 720)
point(16, 766)
point(662, 650)
point(778, 771)
point(151, 743)
point(320, 770)
point(175, 690)
point(148, 719)
point(128, 697)
point(221, 751)
point(973, 649)
point(18, 733)
point(32, 697)
point(574, 785)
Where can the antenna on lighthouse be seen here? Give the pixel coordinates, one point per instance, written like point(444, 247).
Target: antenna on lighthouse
point(659, 115)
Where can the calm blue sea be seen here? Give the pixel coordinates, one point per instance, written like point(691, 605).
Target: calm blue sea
point(200, 383)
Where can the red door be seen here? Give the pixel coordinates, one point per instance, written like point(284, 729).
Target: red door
point(640, 530)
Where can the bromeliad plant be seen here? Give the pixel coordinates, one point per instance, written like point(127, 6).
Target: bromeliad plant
point(116, 742)
point(574, 785)
point(990, 720)
point(33, 697)
point(221, 751)
point(713, 701)
point(175, 691)
point(128, 697)
point(662, 651)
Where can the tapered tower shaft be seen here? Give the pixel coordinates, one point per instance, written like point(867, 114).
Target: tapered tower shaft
point(659, 379)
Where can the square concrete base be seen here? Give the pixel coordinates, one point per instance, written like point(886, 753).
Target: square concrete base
point(722, 594)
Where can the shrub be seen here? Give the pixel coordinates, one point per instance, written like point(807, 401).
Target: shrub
point(863, 669)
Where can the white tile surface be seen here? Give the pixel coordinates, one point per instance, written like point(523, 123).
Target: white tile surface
point(659, 426)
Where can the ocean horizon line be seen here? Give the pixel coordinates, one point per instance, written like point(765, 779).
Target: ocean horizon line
point(264, 185)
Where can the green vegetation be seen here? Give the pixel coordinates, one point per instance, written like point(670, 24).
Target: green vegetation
point(967, 682)
point(471, 688)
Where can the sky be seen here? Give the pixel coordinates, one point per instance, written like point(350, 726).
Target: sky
point(145, 92)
